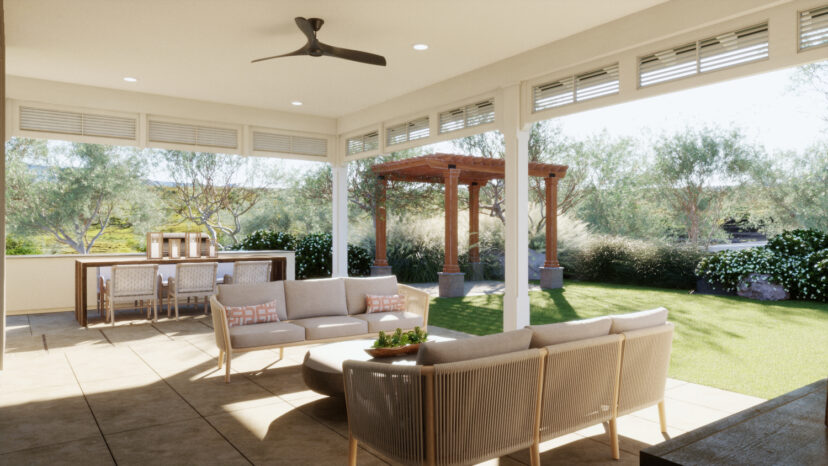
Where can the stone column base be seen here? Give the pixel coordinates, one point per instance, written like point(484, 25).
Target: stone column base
point(380, 270)
point(476, 271)
point(551, 278)
point(451, 284)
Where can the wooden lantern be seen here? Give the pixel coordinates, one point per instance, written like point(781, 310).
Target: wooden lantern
point(175, 248)
point(192, 245)
point(155, 245)
point(212, 249)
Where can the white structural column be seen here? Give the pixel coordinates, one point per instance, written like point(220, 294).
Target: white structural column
point(516, 138)
point(339, 219)
point(2, 185)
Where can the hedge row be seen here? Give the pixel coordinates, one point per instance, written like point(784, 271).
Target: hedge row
point(797, 260)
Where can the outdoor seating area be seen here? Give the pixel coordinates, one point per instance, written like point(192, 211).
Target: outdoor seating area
point(437, 233)
point(70, 393)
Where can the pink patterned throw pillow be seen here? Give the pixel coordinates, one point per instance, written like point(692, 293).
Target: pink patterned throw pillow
point(391, 303)
point(252, 314)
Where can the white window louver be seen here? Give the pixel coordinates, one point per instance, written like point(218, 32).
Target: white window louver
point(366, 142)
point(408, 131)
point(77, 123)
point(476, 114)
point(577, 88)
point(813, 28)
point(722, 51)
point(288, 144)
point(596, 83)
point(180, 133)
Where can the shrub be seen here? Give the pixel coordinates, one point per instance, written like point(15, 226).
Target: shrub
point(16, 246)
point(633, 262)
point(267, 240)
point(313, 256)
point(797, 260)
point(414, 260)
point(313, 252)
point(359, 261)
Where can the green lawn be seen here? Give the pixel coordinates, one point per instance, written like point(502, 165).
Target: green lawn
point(757, 348)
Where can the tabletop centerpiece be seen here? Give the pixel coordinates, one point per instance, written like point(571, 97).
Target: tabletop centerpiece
point(397, 343)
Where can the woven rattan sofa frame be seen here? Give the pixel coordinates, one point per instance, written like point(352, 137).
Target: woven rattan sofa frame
point(427, 373)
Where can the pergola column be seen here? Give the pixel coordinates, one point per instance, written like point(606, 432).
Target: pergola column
point(381, 266)
point(551, 272)
point(451, 279)
point(474, 231)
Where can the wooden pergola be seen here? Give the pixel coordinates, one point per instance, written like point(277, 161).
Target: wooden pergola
point(474, 172)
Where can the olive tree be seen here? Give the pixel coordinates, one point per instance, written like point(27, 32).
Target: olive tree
point(71, 191)
point(212, 190)
point(694, 170)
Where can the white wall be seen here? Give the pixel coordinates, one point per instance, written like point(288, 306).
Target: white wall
point(47, 283)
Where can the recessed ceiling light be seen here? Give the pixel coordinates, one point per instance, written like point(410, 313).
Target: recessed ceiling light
point(130, 79)
point(296, 103)
point(420, 46)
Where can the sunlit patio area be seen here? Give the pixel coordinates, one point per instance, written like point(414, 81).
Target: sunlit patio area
point(142, 392)
point(470, 232)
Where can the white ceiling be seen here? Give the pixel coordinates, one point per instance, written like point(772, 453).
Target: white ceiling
point(201, 49)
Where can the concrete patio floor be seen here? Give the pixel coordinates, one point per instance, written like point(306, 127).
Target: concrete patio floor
point(144, 393)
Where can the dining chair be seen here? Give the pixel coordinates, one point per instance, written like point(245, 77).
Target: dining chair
point(131, 284)
point(249, 272)
point(193, 280)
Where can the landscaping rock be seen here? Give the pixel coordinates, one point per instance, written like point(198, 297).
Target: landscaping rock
point(759, 286)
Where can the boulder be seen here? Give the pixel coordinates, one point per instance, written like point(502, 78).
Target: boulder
point(759, 286)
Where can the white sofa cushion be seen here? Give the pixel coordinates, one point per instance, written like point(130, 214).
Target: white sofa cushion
point(390, 321)
point(254, 293)
point(269, 334)
point(563, 332)
point(439, 352)
point(637, 320)
point(319, 328)
point(315, 298)
point(357, 288)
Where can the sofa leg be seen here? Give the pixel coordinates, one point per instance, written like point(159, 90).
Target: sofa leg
point(662, 416)
point(281, 353)
point(227, 368)
point(176, 309)
point(352, 451)
point(613, 432)
point(534, 457)
point(220, 359)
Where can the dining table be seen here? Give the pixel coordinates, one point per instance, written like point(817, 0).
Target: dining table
point(83, 264)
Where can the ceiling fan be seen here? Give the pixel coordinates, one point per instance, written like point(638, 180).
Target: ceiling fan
point(314, 48)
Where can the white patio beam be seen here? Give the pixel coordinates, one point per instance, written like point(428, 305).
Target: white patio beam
point(516, 139)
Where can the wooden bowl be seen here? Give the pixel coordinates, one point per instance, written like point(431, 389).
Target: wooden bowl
point(391, 352)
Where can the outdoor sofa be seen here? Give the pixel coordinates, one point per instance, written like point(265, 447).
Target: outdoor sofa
point(470, 400)
point(312, 311)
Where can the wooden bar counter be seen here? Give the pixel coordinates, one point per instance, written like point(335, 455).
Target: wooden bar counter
point(82, 265)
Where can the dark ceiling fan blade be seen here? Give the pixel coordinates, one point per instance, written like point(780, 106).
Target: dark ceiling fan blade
point(302, 51)
point(353, 55)
point(306, 27)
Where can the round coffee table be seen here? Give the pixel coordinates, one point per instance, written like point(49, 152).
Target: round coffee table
point(322, 367)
